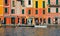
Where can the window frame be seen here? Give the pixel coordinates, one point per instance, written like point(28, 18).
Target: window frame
point(48, 10)
point(12, 11)
point(29, 11)
point(6, 10)
point(36, 4)
point(29, 2)
point(36, 12)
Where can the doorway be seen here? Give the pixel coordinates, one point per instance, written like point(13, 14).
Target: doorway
point(13, 20)
point(36, 21)
point(49, 20)
point(44, 21)
point(29, 21)
point(40, 20)
point(56, 20)
point(4, 20)
point(23, 21)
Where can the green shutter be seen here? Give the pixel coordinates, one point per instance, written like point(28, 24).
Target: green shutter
point(12, 11)
point(48, 1)
point(48, 10)
point(43, 4)
point(4, 20)
point(49, 21)
point(56, 2)
point(36, 11)
point(29, 12)
point(22, 11)
point(13, 3)
point(6, 10)
point(36, 4)
point(56, 10)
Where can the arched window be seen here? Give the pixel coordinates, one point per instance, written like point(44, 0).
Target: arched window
point(56, 20)
point(12, 20)
point(23, 21)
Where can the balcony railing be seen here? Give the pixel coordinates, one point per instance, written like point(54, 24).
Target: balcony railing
point(49, 5)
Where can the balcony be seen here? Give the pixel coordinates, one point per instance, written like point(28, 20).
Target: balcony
point(49, 5)
point(19, 0)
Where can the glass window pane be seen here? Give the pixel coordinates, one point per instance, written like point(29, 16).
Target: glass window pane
point(29, 12)
point(43, 11)
point(36, 11)
point(6, 10)
point(29, 2)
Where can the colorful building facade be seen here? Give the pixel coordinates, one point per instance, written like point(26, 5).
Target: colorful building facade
point(30, 12)
point(53, 9)
point(1, 10)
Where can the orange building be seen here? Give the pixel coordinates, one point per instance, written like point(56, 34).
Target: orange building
point(31, 12)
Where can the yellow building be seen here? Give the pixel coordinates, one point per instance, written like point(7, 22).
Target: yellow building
point(1, 9)
point(39, 3)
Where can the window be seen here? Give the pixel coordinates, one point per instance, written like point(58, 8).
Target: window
point(29, 12)
point(22, 11)
point(6, 10)
point(48, 1)
point(56, 10)
point(22, 2)
point(56, 20)
point(49, 20)
point(6, 1)
point(40, 20)
point(12, 11)
point(18, 20)
point(48, 10)
point(36, 4)
point(43, 4)
point(36, 21)
point(13, 3)
point(43, 11)
point(4, 20)
point(29, 2)
point(56, 2)
point(53, 10)
point(23, 20)
point(36, 11)
point(44, 20)
point(13, 20)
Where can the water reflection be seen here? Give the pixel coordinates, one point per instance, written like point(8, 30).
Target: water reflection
point(29, 31)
